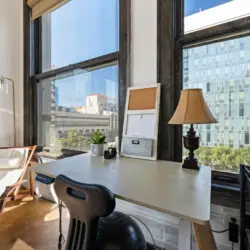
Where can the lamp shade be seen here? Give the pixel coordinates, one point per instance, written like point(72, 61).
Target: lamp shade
point(192, 109)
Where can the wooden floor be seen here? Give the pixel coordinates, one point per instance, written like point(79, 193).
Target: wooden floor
point(31, 224)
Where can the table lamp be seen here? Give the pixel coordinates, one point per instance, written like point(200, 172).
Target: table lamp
point(192, 109)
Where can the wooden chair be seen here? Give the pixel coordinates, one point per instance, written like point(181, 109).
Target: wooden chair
point(244, 217)
point(14, 177)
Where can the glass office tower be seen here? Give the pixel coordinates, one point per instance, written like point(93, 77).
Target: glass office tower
point(222, 70)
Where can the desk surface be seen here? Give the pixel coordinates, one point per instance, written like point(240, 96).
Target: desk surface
point(159, 185)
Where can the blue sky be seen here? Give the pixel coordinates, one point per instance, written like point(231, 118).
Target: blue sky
point(194, 6)
point(84, 29)
point(81, 30)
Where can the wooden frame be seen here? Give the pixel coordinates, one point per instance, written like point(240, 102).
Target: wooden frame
point(94, 63)
point(13, 192)
point(125, 59)
point(32, 65)
point(169, 74)
point(154, 111)
point(204, 236)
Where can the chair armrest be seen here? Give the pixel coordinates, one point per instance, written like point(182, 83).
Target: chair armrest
point(8, 190)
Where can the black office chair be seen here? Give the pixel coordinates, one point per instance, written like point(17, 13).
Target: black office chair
point(93, 226)
point(244, 195)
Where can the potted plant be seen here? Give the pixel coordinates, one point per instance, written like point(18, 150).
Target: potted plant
point(97, 141)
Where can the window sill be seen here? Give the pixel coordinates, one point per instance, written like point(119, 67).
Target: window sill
point(56, 154)
point(225, 189)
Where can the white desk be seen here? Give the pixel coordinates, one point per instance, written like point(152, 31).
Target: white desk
point(159, 185)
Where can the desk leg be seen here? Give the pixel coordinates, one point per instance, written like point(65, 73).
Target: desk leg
point(185, 233)
point(31, 181)
point(204, 237)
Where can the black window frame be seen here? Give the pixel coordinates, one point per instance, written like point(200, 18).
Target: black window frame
point(33, 66)
point(171, 42)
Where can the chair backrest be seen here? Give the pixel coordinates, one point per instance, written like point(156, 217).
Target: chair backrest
point(244, 196)
point(86, 204)
point(16, 157)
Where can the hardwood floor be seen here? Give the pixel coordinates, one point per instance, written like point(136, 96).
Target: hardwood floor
point(31, 224)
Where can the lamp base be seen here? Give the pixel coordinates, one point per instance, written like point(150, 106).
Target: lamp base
point(191, 143)
point(191, 163)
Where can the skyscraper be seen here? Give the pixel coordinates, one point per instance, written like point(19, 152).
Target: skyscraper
point(222, 70)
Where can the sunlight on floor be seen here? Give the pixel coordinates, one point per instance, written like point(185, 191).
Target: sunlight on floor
point(31, 226)
point(17, 204)
point(21, 245)
point(54, 214)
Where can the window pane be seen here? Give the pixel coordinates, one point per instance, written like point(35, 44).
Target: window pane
point(78, 31)
point(73, 106)
point(201, 14)
point(226, 88)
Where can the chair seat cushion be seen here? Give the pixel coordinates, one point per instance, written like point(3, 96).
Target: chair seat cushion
point(11, 158)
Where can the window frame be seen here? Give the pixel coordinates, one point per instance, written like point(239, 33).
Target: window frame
point(33, 74)
point(173, 84)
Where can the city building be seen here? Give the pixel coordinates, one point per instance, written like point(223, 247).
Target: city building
point(98, 114)
point(222, 70)
point(95, 104)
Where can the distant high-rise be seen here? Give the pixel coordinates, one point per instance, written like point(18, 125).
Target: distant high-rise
point(222, 70)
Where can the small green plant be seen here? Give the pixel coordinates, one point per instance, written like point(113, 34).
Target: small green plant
point(98, 138)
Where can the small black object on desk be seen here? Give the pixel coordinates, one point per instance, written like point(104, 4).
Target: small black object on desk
point(110, 153)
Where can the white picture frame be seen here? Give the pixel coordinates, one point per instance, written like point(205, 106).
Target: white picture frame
point(149, 130)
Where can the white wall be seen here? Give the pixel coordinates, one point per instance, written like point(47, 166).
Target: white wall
point(144, 42)
point(11, 65)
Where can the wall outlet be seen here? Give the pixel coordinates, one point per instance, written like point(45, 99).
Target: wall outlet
point(233, 231)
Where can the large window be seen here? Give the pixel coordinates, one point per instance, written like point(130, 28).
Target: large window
point(222, 70)
point(73, 106)
point(77, 88)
